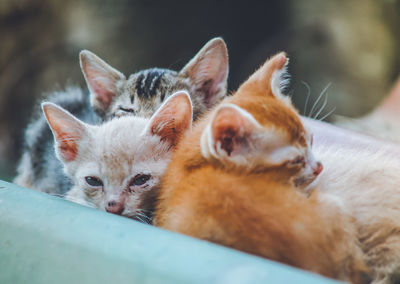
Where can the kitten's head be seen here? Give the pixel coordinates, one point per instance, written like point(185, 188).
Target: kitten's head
point(113, 165)
point(112, 94)
point(258, 128)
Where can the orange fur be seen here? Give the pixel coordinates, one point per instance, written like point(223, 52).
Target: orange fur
point(255, 208)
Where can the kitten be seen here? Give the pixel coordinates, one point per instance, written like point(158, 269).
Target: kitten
point(230, 182)
point(114, 164)
point(383, 122)
point(112, 95)
point(363, 176)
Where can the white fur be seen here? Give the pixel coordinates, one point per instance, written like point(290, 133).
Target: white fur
point(366, 185)
point(374, 124)
point(116, 152)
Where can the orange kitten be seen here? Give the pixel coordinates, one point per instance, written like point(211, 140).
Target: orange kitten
point(234, 180)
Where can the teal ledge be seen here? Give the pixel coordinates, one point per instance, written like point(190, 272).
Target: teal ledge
point(44, 239)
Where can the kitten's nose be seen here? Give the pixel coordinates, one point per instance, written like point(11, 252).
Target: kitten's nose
point(115, 207)
point(318, 169)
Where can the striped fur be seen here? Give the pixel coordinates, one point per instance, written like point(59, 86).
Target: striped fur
point(112, 95)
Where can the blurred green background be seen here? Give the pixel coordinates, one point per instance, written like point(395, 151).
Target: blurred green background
point(355, 45)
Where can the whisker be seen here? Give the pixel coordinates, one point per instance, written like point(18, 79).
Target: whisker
point(308, 96)
point(144, 216)
point(139, 219)
point(144, 210)
point(328, 114)
point(322, 107)
point(139, 216)
point(318, 99)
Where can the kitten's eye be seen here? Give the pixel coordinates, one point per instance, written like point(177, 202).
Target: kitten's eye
point(139, 180)
point(312, 140)
point(126, 109)
point(299, 160)
point(94, 181)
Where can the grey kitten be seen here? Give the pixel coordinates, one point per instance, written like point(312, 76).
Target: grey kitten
point(112, 95)
point(114, 165)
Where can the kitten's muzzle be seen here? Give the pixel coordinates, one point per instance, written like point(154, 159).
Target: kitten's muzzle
point(115, 207)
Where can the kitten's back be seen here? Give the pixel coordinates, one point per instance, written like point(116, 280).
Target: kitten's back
point(39, 168)
point(366, 184)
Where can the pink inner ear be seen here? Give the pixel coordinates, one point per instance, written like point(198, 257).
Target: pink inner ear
point(67, 131)
point(209, 71)
point(67, 148)
point(228, 130)
point(232, 131)
point(103, 87)
point(105, 90)
point(173, 119)
point(209, 77)
point(226, 137)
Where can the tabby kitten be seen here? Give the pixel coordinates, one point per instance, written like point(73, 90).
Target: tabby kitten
point(112, 95)
point(230, 181)
point(114, 164)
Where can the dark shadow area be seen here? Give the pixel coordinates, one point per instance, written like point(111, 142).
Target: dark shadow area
point(352, 45)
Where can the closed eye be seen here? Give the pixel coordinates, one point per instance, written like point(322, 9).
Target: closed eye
point(299, 160)
point(126, 109)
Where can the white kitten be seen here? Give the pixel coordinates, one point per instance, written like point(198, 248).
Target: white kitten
point(361, 176)
point(113, 165)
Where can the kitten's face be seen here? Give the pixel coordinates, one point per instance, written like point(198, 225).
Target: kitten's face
point(119, 166)
point(143, 92)
point(113, 165)
point(260, 129)
point(304, 160)
point(112, 95)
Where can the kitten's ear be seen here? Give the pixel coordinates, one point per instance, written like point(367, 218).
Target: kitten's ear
point(269, 79)
point(208, 71)
point(67, 131)
point(233, 134)
point(101, 78)
point(172, 119)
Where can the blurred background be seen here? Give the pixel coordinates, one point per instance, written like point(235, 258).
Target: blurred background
point(352, 45)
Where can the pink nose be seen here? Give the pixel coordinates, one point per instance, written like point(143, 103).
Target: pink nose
point(115, 207)
point(318, 169)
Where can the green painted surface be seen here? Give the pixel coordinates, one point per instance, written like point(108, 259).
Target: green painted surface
point(44, 239)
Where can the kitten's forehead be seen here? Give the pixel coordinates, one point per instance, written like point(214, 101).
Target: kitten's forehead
point(145, 91)
point(275, 114)
point(123, 143)
point(154, 82)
